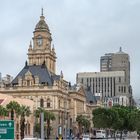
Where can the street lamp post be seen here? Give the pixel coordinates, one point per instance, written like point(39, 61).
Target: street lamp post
point(42, 125)
point(66, 117)
point(42, 118)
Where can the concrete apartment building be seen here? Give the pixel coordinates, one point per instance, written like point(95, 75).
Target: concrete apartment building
point(114, 79)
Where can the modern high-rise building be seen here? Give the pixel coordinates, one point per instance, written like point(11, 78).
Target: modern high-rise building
point(114, 78)
point(106, 62)
point(119, 61)
point(109, 84)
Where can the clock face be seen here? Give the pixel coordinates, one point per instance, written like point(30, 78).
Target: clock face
point(39, 41)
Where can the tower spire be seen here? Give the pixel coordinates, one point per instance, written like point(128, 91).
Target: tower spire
point(120, 49)
point(42, 12)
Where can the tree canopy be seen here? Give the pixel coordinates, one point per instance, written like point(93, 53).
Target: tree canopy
point(13, 107)
point(20, 110)
point(83, 122)
point(117, 118)
point(3, 111)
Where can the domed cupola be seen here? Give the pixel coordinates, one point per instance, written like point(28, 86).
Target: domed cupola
point(41, 25)
point(41, 51)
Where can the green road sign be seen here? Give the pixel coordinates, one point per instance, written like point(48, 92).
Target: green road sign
point(7, 129)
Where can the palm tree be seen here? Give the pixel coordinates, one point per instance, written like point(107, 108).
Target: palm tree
point(37, 122)
point(24, 111)
point(86, 124)
point(3, 111)
point(80, 119)
point(13, 107)
point(48, 116)
point(38, 111)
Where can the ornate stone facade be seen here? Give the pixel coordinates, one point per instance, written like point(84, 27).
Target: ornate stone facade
point(39, 82)
point(42, 51)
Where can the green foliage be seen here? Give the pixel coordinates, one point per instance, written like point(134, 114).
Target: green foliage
point(104, 118)
point(83, 122)
point(13, 107)
point(86, 124)
point(37, 129)
point(117, 118)
point(48, 116)
point(23, 112)
point(3, 111)
point(38, 111)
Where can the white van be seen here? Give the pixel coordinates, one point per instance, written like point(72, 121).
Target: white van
point(100, 134)
point(30, 139)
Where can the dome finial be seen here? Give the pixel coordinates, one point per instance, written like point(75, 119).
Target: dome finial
point(42, 15)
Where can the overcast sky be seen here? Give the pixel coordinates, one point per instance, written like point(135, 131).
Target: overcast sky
point(82, 31)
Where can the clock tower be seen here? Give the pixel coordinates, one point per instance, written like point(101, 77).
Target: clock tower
point(42, 51)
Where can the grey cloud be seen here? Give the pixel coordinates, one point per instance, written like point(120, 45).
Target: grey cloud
point(82, 31)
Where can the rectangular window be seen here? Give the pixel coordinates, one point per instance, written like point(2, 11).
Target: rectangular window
point(124, 89)
point(82, 80)
point(119, 79)
point(48, 104)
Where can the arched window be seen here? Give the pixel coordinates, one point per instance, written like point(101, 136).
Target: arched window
point(59, 103)
point(28, 82)
point(17, 127)
point(48, 103)
point(59, 118)
point(28, 128)
point(119, 88)
point(17, 136)
point(41, 102)
point(124, 89)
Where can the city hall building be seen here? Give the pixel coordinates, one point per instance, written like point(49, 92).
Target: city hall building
point(39, 82)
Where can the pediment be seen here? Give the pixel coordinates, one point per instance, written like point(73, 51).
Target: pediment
point(28, 73)
point(81, 90)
